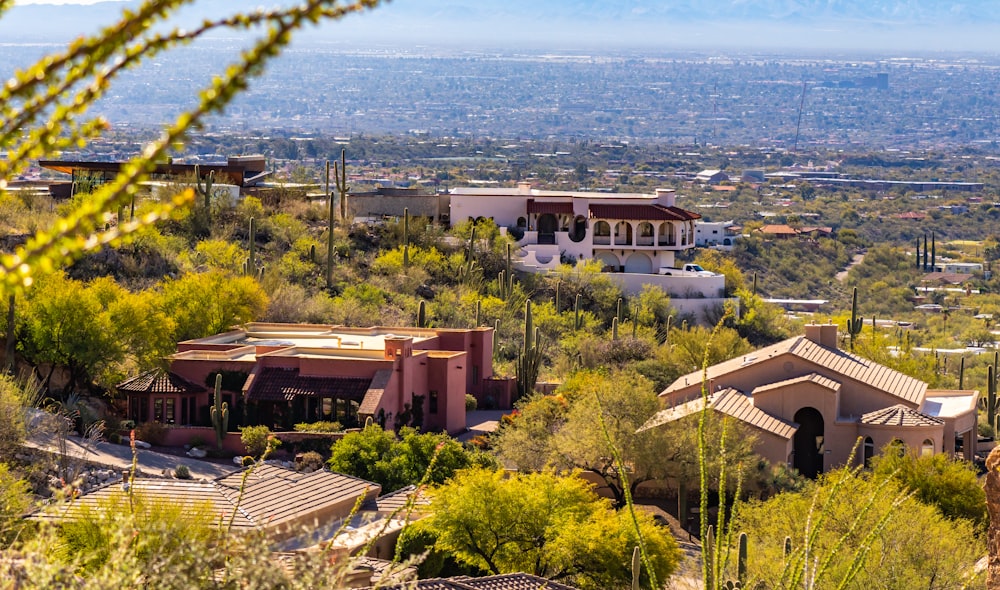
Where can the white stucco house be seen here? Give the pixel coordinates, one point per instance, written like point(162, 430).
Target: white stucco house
point(721, 235)
point(634, 235)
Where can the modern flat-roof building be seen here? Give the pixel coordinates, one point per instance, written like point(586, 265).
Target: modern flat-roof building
point(282, 374)
point(809, 402)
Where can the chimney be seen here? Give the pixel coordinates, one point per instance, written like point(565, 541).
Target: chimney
point(823, 334)
point(666, 197)
point(524, 187)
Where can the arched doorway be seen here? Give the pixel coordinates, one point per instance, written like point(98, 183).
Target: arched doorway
point(639, 263)
point(609, 260)
point(808, 442)
point(547, 226)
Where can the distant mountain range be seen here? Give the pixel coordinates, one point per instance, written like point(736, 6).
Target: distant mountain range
point(579, 21)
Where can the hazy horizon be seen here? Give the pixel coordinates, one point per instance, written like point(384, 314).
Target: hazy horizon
point(845, 26)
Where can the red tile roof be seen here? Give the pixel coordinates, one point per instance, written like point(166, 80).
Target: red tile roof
point(159, 381)
point(778, 230)
point(277, 384)
point(642, 212)
point(556, 208)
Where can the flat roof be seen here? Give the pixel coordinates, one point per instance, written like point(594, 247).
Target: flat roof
point(316, 336)
point(949, 404)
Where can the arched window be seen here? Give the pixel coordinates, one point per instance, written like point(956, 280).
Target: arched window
point(869, 451)
point(602, 233)
point(927, 448)
point(623, 234)
point(684, 235)
point(522, 222)
point(645, 237)
point(668, 236)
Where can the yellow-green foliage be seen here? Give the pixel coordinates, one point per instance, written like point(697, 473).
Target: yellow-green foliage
point(216, 255)
point(545, 524)
point(916, 548)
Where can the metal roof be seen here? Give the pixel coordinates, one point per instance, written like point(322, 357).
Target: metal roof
point(730, 402)
point(834, 360)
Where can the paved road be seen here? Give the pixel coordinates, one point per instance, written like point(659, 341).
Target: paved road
point(120, 457)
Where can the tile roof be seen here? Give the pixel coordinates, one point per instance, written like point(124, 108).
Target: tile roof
point(641, 212)
point(274, 495)
point(501, 582)
point(376, 389)
point(194, 496)
point(556, 208)
point(835, 360)
point(730, 402)
point(899, 415)
point(949, 278)
point(396, 501)
point(779, 230)
point(159, 381)
point(279, 384)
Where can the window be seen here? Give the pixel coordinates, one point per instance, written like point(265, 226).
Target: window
point(475, 373)
point(432, 405)
point(168, 414)
point(184, 411)
point(869, 451)
point(927, 448)
point(158, 409)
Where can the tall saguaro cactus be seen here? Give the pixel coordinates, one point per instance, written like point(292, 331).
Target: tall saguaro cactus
point(529, 359)
point(406, 237)
point(329, 231)
point(854, 324)
point(991, 396)
point(220, 413)
point(340, 177)
point(204, 189)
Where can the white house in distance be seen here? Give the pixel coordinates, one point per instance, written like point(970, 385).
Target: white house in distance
point(634, 235)
point(716, 234)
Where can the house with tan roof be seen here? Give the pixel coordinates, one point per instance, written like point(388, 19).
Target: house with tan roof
point(808, 402)
point(499, 582)
point(275, 500)
point(635, 236)
point(282, 374)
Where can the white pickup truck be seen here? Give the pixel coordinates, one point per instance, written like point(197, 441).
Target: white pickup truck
point(689, 268)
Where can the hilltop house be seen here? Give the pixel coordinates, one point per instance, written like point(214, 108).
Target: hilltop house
point(808, 402)
point(635, 236)
point(282, 374)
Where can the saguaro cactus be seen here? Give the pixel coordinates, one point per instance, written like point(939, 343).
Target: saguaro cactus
point(991, 396)
point(855, 323)
point(614, 328)
point(529, 359)
point(340, 177)
point(204, 189)
point(741, 562)
point(329, 231)
point(406, 237)
point(422, 314)
point(220, 413)
point(577, 317)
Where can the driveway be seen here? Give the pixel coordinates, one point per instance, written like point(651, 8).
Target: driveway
point(119, 457)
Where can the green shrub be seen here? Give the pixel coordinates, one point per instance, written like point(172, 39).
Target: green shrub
point(254, 438)
point(470, 403)
point(311, 461)
point(182, 472)
point(152, 432)
point(322, 426)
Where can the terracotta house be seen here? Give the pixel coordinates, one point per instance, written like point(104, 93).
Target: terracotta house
point(282, 374)
point(809, 402)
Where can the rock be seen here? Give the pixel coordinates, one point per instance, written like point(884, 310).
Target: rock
point(238, 460)
point(425, 291)
point(141, 444)
point(103, 475)
point(197, 453)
